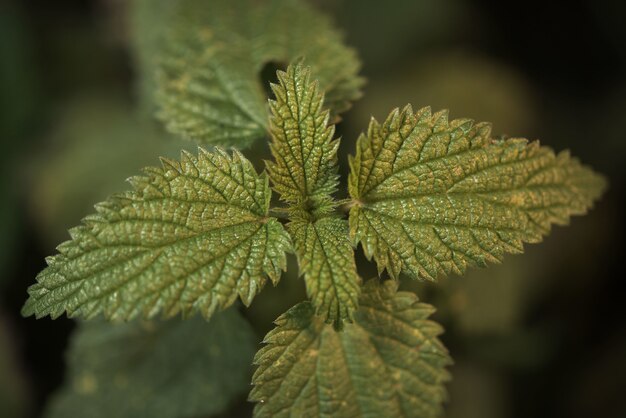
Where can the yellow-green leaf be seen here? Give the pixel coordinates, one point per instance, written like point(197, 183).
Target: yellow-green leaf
point(432, 196)
point(305, 169)
point(326, 259)
point(389, 363)
point(208, 79)
point(190, 237)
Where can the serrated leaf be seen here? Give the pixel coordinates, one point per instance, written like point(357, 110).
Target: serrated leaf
point(305, 170)
point(168, 369)
point(326, 259)
point(390, 363)
point(190, 237)
point(305, 175)
point(208, 77)
point(432, 196)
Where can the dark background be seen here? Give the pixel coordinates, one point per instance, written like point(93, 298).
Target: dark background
point(541, 335)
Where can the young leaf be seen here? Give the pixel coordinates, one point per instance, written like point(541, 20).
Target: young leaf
point(305, 176)
point(305, 171)
point(209, 86)
point(432, 196)
point(388, 364)
point(165, 369)
point(190, 237)
point(326, 258)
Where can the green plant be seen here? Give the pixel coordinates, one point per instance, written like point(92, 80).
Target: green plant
point(428, 197)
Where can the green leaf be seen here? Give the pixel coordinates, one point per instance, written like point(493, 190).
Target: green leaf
point(147, 20)
point(326, 259)
point(305, 171)
point(305, 175)
point(432, 196)
point(190, 237)
point(171, 369)
point(209, 72)
point(388, 364)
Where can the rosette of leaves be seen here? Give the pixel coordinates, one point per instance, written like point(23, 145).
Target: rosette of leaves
point(428, 196)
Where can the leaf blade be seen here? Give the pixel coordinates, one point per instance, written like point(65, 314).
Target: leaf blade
point(191, 237)
point(208, 77)
point(433, 197)
point(389, 363)
point(304, 173)
point(326, 259)
point(305, 169)
point(148, 368)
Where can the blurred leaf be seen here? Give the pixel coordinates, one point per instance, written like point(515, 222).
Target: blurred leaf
point(148, 19)
point(189, 237)
point(432, 197)
point(390, 363)
point(208, 76)
point(172, 369)
point(96, 142)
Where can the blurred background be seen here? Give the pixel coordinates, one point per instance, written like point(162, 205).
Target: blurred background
point(542, 335)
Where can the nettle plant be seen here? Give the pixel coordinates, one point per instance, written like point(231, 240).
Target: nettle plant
point(427, 197)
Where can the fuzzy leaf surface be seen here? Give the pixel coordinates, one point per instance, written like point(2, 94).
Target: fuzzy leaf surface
point(170, 369)
point(305, 169)
point(432, 196)
point(190, 237)
point(389, 363)
point(208, 77)
point(326, 259)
